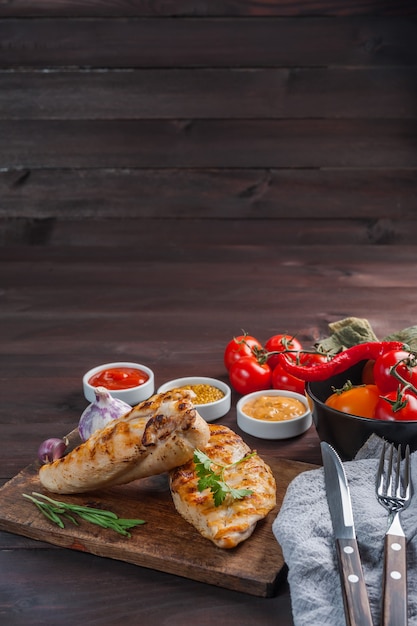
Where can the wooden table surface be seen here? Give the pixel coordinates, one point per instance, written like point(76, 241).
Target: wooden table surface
point(172, 299)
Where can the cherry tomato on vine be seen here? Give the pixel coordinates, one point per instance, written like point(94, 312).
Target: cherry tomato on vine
point(281, 379)
point(239, 347)
point(383, 379)
point(357, 400)
point(247, 375)
point(279, 343)
point(310, 359)
point(397, 407)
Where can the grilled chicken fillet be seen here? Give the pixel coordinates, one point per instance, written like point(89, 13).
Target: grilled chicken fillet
point(154, 437)
point(233, 521)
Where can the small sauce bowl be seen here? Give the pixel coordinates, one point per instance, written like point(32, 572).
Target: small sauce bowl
point(209, 411)
point(273, 429)
point(131, 395)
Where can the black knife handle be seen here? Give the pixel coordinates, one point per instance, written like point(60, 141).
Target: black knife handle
point(355, 596)
point(395, 582)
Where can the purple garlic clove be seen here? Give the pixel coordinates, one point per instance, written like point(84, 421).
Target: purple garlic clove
point(52, 449)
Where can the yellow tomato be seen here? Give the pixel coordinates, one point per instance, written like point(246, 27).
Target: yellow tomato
point(358, 400)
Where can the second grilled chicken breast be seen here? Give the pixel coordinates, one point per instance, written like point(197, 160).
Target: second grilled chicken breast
point(233, 521)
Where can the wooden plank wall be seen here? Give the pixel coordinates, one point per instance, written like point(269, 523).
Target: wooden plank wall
point(302, 112)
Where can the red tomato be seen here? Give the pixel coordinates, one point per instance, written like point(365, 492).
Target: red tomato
point(312, 358)
point(403, 410)
point(239, 347)
point(282, 380)
point(247, 375)
point(360, 400)
point(383, 379)
point(279, 343)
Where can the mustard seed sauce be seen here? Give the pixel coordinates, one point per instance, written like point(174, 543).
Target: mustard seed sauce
point(205, 393)
point(274, 408)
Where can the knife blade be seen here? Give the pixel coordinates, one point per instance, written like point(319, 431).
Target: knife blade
point(355, 596)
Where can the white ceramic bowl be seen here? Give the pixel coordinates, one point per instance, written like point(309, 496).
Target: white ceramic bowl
point(131, 395)
point(212, 410)
point(267, 429)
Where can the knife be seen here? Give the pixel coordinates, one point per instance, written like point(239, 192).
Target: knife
point(355, 596)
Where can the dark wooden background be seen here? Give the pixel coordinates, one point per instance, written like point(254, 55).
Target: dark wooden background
point(303, 113)
point(171, 172)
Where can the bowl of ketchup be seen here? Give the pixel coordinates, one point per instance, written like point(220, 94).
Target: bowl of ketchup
point(130, 382)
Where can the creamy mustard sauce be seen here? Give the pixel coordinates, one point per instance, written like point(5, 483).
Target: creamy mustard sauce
point(274, 408)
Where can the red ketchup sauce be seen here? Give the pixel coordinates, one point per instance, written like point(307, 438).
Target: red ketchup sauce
point(119, 378)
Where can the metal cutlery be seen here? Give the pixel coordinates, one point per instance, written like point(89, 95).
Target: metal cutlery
point(355, 597)
point(393, 490)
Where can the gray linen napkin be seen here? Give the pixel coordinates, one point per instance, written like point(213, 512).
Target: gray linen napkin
point(304, 530)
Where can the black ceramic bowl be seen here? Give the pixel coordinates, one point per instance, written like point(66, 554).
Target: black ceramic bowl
point(345, 432)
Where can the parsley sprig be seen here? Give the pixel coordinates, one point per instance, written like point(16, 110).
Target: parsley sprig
point(57, 512)
point(211, 476)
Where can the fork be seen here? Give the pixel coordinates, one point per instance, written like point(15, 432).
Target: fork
point(393, 489)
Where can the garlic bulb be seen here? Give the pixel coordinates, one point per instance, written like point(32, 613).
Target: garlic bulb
point(99, 413)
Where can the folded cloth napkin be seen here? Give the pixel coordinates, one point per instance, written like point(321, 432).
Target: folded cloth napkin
point(304, 530)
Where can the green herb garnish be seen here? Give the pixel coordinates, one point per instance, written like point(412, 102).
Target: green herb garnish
point(215, 480)
point(57, 511)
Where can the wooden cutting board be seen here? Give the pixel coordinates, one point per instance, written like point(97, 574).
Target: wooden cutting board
point(166, 542)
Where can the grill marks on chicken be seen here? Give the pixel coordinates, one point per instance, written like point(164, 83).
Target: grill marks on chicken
point(154, 437)
point(233, 521)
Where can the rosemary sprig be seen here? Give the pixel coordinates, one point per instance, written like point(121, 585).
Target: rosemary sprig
point(215, 480)
point(57, 512)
